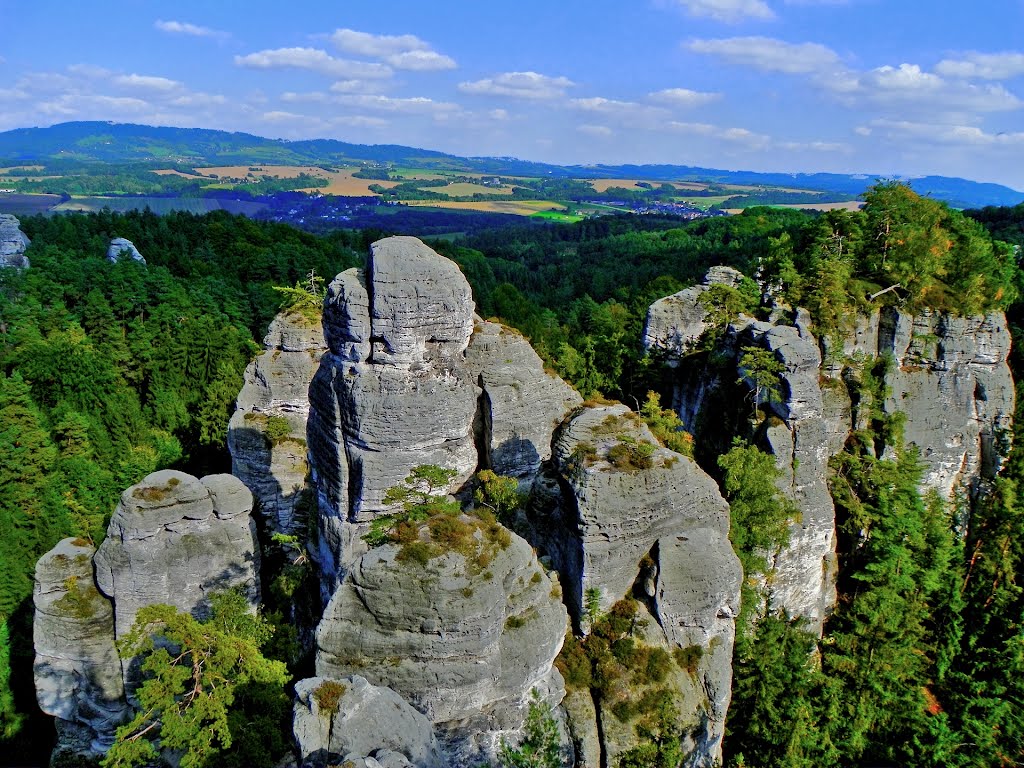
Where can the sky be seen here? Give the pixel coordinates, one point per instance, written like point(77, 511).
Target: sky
point(879, 87)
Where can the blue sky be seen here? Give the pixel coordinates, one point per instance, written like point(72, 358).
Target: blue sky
point(880, 87)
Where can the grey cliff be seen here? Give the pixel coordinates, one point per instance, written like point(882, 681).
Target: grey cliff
point(13, 243)
point(122, 247)
point(77, 670)
point(275, 393)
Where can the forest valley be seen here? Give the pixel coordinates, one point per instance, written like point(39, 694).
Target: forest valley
point(111, 370)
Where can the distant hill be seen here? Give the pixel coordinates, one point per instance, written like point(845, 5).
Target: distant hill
point(86, 143)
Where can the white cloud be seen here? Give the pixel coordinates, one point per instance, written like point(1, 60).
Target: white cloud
point(360, 121)
point(413, 105)
point(90, 71)
point(198, 99)
point(600, 131)
point(816, 146)
point(729, 11)
point(280, 116)
point(184, 28)
point(400, 51)
point(148, 82)
point(985, 66)
point(953, 135)
point(420, 61)
point(909, 85)
point(356, 86)
point(498, 114)
point(520, 85)
point(768, 54)
point(683, 97)
point(315, 60)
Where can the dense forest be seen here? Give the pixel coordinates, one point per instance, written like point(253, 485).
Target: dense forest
point(111, 370)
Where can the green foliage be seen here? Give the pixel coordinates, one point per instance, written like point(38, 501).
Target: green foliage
point(306, 299)
point(666, 425)
point(498, 493)
point(630, 454)
point(760, 515)
point(541, 746)
point(190, 680)
point(764, 370)
point(328, 695)
point(277, 429)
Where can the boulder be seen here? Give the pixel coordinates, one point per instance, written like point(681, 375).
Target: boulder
point(173, 539)
point(521, 403)
point(77, 670)
point(349, 719)
point(13, 242)
point(464, 637)
point(267, 432)
point(122, 246)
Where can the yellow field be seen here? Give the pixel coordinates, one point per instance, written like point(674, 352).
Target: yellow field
point(339, 182)
point(24, 168)
point(461, 188)
point(172, 172)
point(850, 205)
point(517, 207)
point(600, 185)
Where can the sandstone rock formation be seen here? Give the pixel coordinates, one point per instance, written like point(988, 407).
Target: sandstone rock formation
point(121, 245)
point(13, 242)
point(676, 322)
point(463, 638)
point(173, 539)
point(267, 432)
point(622, 519)
point(393, 392)
point(365, 721)
point(77, 670)
point(521, 404)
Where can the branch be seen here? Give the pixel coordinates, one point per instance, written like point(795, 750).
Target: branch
point(874, 296)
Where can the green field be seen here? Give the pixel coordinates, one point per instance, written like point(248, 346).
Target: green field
point(558, 216)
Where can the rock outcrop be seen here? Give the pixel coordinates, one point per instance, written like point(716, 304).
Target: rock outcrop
point(950, 377)
point(13, 243)
point(121, 245)
point(173, 539)
point(464, 638)
point(676, 322)
point(267, 432)
point(521, 403)
point(349, 720)
point(624, 516)
point(393, 391)
point(77, 669)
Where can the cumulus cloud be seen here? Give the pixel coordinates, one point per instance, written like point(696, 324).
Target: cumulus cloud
point(909, 85)
point(519, 85)
point(411, 105)
point(683, 97)
point(954, 135)
point(983, 66)
point(314, 60)
point(729, 11)
point(600, 131)
point(399, 51)
point(768, 54)
point(184, 28)
point(148, 82)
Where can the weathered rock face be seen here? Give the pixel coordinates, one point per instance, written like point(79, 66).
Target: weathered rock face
point(521, 404)
point(13, 242)
point(950, 377)
point(121, 245)
point(77, 670)
point(393, 392)
point(267, 432)
point(658, 524)
point(676, 322)
point(173, 539)
point(463, 638)
point(367, 721)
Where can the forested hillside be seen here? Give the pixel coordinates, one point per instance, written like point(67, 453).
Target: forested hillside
point(110, 370)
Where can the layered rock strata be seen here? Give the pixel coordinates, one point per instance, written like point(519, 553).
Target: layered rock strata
point(77, 670)
point(622, 519)
point(521, 403)
point(393, 391)
point(267, 432)
point(174, 539)
point(349, 720)
point(464, 638)
point(13, 243)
